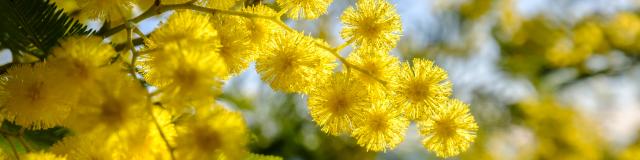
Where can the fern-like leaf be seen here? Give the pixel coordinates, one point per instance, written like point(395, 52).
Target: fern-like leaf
point(35, 26)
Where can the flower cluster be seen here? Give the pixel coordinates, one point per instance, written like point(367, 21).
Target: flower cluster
point(159, 101)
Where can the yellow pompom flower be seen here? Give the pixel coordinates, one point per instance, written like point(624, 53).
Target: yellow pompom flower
point(108, 10)
point(307, 9)
point(623, 31)
point(143, 140)
point(261, 30)
point(186, 29)
point(420, 87)
point(449, 130)
point(235, 43)
point(86, 146)
point(42, 156)
point(379, 64)
point(81, 57)
point(32, 97)
point(184, 75)
point(335, 104)
point(116, 102)
point(212, 134)
point(291, 62)
point(374, 24)
point(381, 127)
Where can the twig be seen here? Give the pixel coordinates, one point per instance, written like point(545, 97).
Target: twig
point(13, 147)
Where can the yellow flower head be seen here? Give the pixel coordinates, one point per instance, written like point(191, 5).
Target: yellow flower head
point(374, 24)
point(381, 127)
point(420, 87)
point(378, 63)
point(184, 75)
point(109, 10)
point(42, 156)
point(211, 134)
point(235, 49)
point(307, 9)
point(81, 58)
point(624, 30)
point(335, 104)
point(291, 62)
point(449, 130)
point(187, 29)
point(116, 102)
point(86, 146)
point(32, 97)
point(143, 141)
point(261, 30)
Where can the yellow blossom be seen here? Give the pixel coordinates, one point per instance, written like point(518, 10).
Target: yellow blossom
point(260, 30)
point(378, 64)
point(420, 87)
point(372, 24)
point(380, 127)
point(234, 39)
point(306, 9)
point(184, 75)
point(449, 130)
point(109, 10)
point(335, 104)
point(42, 156)
point(211, 134)
point(86, 146)
point(116, 102)
point(291, 62)
point(81, 58)
point(32, 97)
point(186, 29)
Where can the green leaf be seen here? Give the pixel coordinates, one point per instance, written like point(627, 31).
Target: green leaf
point(35, 26)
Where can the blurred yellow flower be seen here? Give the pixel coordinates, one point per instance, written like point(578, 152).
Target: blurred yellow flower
point(623, 31)
point(420, 87)
point(449, 130)
point(185, 76)
point(306, 9)
point(32, 97)
point(292, 61)
point(107, 10)
point(372, 24)
point(42, 156)
point(86, 146)
point(117, 102)
point(335, 104)
point(81, 58)
point(211, 134)
point(380, 127)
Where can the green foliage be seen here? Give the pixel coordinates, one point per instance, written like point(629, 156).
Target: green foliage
point(35, 26)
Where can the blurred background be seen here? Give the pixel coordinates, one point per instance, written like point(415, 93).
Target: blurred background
point(546, 79)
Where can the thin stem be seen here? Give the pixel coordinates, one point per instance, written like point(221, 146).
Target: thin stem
point(22, 141)
point(164, 137)
point(134, 54)
point(344, 45)
point(13, 147)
